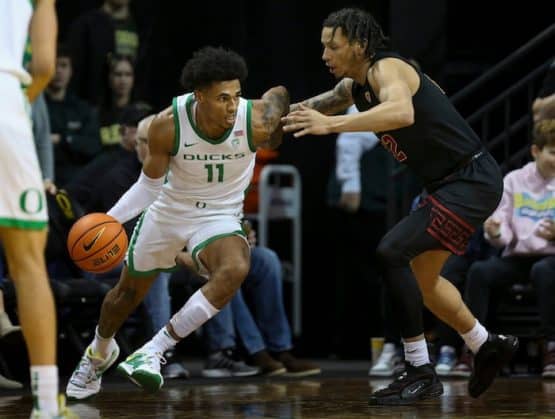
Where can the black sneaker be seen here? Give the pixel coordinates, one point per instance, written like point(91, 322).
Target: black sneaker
point(227, 364)
point(494, 353)
point(414, 384)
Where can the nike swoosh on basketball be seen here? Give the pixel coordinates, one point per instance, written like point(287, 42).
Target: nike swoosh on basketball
point(188, 145)
point(88, 246)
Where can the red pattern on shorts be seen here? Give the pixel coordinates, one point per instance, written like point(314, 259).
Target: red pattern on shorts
point(447, 227)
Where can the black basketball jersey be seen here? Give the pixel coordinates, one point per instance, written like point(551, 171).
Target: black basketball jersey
point(438, 141)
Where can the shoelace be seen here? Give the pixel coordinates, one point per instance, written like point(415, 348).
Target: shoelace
point(155, 359)
point(399, 381)
point(86, 370)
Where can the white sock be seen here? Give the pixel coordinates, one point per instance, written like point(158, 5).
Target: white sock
point(475, 337)
point(416, 353)
point(162, 341)
point(44, 386)
point(102, 346)
point(192, 315)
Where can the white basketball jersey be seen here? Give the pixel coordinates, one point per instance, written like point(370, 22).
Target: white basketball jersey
point(15, 16)
point(205, 173)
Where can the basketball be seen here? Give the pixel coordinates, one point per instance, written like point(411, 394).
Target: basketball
point(97, 242)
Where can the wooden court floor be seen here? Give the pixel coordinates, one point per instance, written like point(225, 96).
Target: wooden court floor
point(320, 397)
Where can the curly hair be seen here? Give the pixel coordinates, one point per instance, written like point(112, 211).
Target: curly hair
point(544, 133)
point(358, 25)
point(211, 64)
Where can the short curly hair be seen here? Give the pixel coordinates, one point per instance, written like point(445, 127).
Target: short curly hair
point(358, 25)
point(212, 64)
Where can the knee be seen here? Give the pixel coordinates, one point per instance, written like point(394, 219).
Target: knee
point(542, 273)
point(390, 254)
point(232, 274)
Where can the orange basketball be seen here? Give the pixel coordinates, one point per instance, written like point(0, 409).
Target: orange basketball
point(97, 242)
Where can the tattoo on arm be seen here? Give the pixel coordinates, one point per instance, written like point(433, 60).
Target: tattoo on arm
point(275, 105)
point(332, 101)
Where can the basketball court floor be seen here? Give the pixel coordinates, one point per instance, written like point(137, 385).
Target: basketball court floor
point(340, 392)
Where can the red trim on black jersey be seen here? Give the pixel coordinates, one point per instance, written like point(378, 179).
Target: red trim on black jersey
point(448, 228)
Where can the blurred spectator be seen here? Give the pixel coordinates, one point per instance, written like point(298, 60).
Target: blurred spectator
point(257, 314)
point(73, 123)
point(119, 95)
point(43, 143)
point(122, 158)
point(93, 38)
point(544, 105)
point(357, 194)
point(523, 224)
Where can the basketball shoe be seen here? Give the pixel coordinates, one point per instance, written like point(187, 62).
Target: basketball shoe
point(493, 355)
point(63, 411)
point(414, 384)
point(142, 367)
point(87, 377)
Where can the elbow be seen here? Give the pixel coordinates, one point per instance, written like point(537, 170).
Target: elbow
point(43, 71)
point(405, 117)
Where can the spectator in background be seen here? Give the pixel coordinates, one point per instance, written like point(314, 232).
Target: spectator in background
point(544, 105)
point(524, 226)
point(93, 38)
point(43, 143)
point(357, 194)
point(7, 329)
point(118, 96)
point(73, 123)
point(82, 184)
point(257, 314)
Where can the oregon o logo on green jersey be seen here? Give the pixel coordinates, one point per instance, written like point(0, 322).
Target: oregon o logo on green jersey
point(31, 201)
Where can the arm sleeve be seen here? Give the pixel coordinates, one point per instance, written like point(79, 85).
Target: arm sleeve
point(139, 196)
point(41, 133)
point(350, 147)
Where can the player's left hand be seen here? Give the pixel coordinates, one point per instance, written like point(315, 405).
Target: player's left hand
point(305, 121)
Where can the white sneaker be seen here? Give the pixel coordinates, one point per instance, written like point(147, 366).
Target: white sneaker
point(385, 364)
point(87, 377)
point(142, 367)
point(63, 413)
point(446, 361)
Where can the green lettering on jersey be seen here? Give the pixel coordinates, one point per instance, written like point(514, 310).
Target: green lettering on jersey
point(31, 201)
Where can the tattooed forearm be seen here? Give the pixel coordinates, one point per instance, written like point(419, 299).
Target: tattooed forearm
point(331, 102)
point(275, 105)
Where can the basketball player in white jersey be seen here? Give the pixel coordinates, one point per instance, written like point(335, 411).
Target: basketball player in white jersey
point(23, 215)
point(200, 162)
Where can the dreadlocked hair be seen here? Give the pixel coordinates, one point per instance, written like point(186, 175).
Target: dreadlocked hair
point(211, 64)
point(358, 25)
point(544, 133)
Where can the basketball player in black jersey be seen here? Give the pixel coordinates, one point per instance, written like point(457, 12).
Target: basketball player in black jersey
point(416, 122)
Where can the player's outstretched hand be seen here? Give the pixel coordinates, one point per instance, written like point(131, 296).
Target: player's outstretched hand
point(305, 121)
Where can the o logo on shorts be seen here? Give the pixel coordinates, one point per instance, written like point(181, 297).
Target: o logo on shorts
point(65, 205)
point(31, 201)
point(200, 204)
